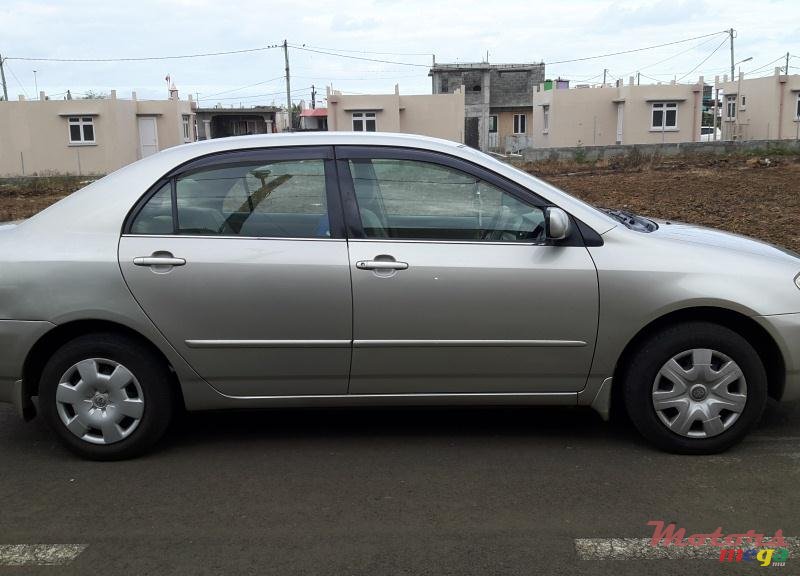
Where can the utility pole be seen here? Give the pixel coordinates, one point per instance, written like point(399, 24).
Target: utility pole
point(313, 97)
point(605, 71)
point(288, 87)
point(638, 78)
point(36, 84)
point(433, 76)
point(787, 63)
point(3, 79)
point(733, 71)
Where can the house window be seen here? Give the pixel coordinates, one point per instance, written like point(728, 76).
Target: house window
point(493, 123)
point(520, 124)
point(81, 130)
point(730, 107)
point(664, 116)
point(443, 85)
point(744, 102)
point(545, 118)
point(363, 121)
point(798, 107)
point(186, 133)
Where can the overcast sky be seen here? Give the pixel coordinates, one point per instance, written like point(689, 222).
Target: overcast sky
point(410, 29)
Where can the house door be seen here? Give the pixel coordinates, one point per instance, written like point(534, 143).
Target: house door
point(493, 132)
point(471, 134)
point(148, 136)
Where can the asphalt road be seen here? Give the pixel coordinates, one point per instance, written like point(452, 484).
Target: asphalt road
point(373, 492)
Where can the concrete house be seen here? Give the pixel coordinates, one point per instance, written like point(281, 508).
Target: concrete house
point(620, 114)
point(88, 136)
point(222, 122)
point(759, 108)
point(437, 115)
point(314, 119)
point(497, 101)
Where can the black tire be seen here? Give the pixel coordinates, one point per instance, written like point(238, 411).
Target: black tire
point(645, 364)
point(150, 371)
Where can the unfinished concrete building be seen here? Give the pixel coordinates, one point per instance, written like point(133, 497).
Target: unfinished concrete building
point(498, 101)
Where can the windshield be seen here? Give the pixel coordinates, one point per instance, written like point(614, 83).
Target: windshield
point(631, 220)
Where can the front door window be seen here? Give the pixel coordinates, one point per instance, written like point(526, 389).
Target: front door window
point(424, 201)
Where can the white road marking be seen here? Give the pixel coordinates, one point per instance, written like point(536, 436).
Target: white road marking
point(39, 554)
point(640, 549)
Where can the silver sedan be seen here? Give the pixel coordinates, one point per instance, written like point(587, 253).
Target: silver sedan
point(336, 269)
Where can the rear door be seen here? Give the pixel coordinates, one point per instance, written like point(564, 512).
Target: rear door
point(241, 262)
point(455, 289)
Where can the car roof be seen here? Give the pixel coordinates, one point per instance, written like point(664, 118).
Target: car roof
point(327, 139)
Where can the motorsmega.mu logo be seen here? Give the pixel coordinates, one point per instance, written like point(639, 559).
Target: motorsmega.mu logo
point(749, 546)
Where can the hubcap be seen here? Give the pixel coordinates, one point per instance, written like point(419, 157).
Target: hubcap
point(699, 393)
point(100, 401)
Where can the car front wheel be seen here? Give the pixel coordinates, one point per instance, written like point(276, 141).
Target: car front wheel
point(107, 396)
point(695, 388)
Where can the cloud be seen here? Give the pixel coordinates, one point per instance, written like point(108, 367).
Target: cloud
point(661, 13)
point(517, 31)
point(343, 23)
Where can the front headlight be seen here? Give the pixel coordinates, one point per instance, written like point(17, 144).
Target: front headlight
point(797, 280)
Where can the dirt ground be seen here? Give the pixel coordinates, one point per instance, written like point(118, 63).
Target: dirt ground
point(747, 196)
point(23, 197)
point(756, 196)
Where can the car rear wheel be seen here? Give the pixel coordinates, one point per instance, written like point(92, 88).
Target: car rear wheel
point(695, 388)
point(107, 396)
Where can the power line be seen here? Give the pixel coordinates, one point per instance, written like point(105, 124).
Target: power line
point(257, 95)
point(650, 77)
point(706, 41)
point(15, 78)
point(138, 59)
point(637, 49)
point(779, 58)
point(368, 52)
point(333, 52)
point(358, 57)
point(307, 49)
point(582, 78)
point(362, 79)
point(328, 53)
point(243, 87)
point(704, 60)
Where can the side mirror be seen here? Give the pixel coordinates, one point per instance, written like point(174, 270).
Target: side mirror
point(556, 223)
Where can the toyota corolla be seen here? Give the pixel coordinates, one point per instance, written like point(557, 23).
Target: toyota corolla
point(337, 269)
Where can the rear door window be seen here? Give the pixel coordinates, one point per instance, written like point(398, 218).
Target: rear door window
point(281, 199)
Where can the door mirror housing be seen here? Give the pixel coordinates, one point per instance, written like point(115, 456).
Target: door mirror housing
point(556, 223)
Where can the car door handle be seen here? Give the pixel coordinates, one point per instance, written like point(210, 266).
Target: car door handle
point(381, 265)
point(158, 261)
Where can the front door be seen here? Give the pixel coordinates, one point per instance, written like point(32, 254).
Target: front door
point(238, 263)
point(455, 289)
point(148, 136)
